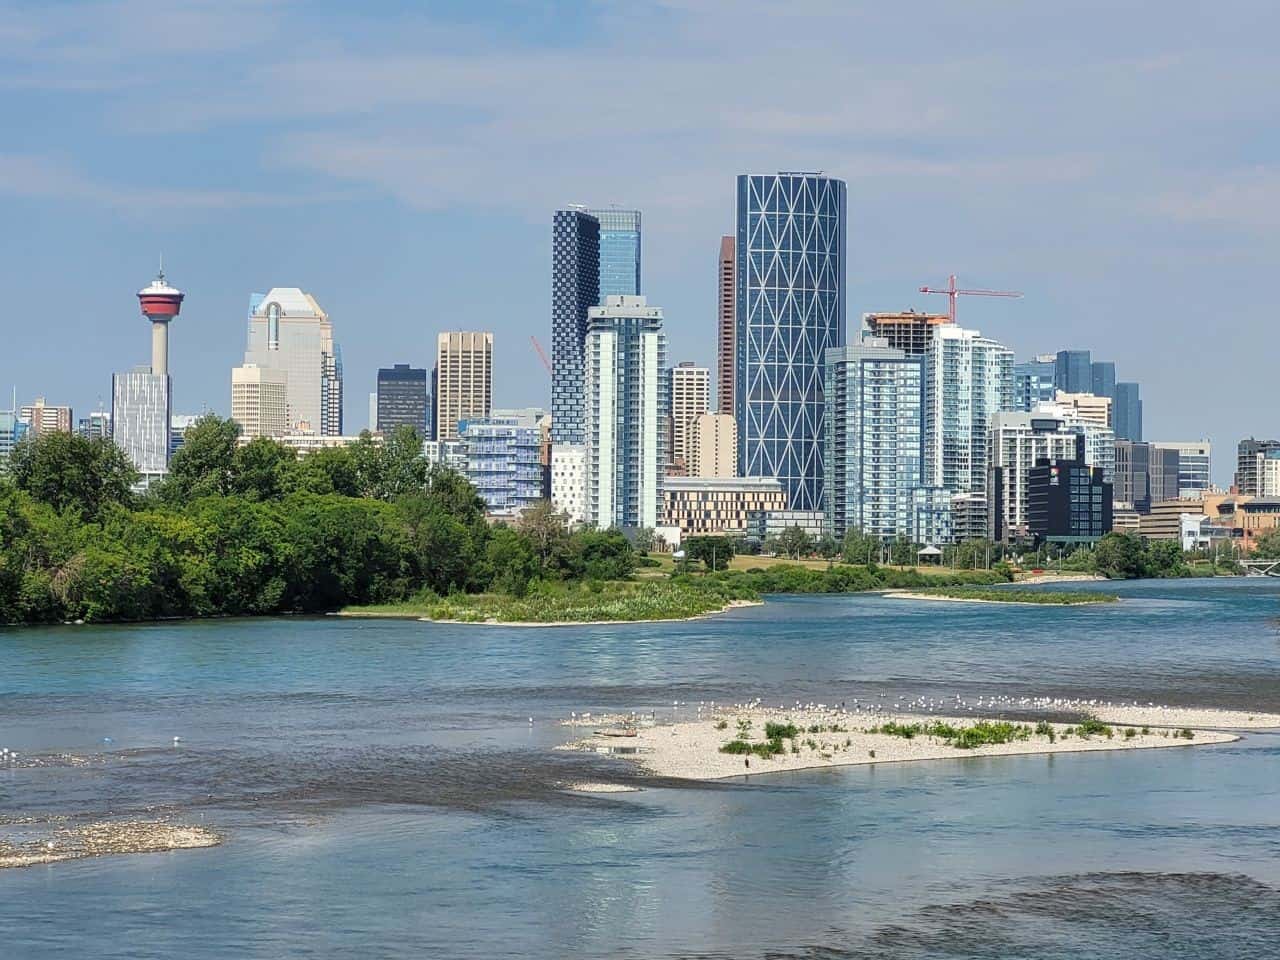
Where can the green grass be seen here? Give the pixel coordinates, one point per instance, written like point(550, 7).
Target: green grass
point(981, 734)
point(1013, 595)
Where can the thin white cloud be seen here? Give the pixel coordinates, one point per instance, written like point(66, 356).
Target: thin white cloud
point(1247, 199)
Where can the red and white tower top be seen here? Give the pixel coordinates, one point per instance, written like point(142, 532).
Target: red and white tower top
point(160, 304)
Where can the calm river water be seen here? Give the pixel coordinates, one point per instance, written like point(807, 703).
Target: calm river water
point(383, 793)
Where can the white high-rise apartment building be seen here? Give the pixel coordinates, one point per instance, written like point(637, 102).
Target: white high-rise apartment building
point(259, 401)
point(690, 398)
point(569, 480)
point(289, 332)
point(140, 413)
point(625, 359)
point(967, 379)
point(714, 446)
point(463, 380)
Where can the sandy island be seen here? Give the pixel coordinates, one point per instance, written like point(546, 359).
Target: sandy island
point(493, 622)
point(908, 595)
point(105, 838)
point(833, 737)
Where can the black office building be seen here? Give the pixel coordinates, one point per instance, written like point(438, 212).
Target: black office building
point(402, 399)
point(1068, 501)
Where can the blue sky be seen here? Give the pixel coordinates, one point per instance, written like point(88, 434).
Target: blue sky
point(1115, 161)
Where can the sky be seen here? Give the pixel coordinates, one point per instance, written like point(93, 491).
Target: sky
point(1114, 161)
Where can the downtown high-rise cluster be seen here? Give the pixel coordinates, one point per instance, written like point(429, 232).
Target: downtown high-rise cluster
point(912, 427)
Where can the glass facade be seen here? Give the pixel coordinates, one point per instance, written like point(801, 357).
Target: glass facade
point(402, 399)
point(1034, 383)
point(1126, 412)
point(790, 309)
point(575, 288)
point(627, 413)
point(874, 439)
point(140, 417)
point(503, 463)
point(1103, 379)
point(968, 378)
point(12, 430)
point(1073, 371)
point(619, 252)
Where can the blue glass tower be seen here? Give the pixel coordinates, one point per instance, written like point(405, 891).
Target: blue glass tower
point(1126, 412)
point(790, 308)
point(1104, 379)
point(1034, 383)
point(575, 288)
point(619, 252)
point(1074, 373)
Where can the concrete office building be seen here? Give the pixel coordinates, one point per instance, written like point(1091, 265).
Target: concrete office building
point(1251, 458)
point(726, 325)
point(289, 332)
point(1133, 475)
point(1165, 468)
point(463, 380)
point(575, 288)
point(626, 356)
point(402, 400)
point(1086, 407)
point(707, 505)
point(690, 399)
point(140, 413)
point(44, 418)
point(910, 332)
point(790, 305)
point(874, 440)
point(1017, 442)
point(260, 401)
point(714, 446)
point(1195, 466)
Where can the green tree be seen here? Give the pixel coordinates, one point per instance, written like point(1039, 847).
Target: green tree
point(1164, 558)
point(904, 552)
point(1120, 556)
point(204, 466)
point(1267, 546)
point(714, 552)
point(262, 469)
point(512, 560)
point(328, 470)
point(70, 472)
point(828, 548)
point(859, 547)
point(795, 542)
point(547, 532)
point(602, 555)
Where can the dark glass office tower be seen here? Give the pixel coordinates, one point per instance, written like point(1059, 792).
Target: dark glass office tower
point(790, 308)
point(619, 252)
point(1104, 379)
point(575, 288)
point(1126, 412)
point(1073, 371)
point(402, 399)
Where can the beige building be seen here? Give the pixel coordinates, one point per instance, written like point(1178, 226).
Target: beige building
point(703, 505)
point(713, 446)
point(1164, 522)
point(41, 417)
point(690, 399)
point(260, 401)
point(463, 380)
point(1086, 407)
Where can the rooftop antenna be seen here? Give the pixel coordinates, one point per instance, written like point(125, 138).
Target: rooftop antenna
point(161, 275)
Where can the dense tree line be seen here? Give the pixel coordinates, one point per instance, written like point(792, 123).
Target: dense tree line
point(253, 529)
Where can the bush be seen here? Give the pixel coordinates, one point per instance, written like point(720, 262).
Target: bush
point(773, 731)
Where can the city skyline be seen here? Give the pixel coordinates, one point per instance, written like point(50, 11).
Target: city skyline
point(1025, 170)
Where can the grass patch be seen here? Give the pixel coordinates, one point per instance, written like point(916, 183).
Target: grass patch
point(981, 734)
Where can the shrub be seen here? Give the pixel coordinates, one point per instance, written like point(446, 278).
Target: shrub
point(773, 731)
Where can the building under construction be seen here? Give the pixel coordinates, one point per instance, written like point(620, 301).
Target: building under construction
point(909, 332)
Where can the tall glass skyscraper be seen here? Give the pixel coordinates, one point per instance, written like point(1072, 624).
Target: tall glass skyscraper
point(402, 399)
point(1126, 412)
point(619, 252)
point(874, 441)
point(1103, 379)
point(790, 309)
point(575, 288)
point(1074, 373)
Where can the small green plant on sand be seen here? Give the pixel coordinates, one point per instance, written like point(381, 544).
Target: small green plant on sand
point(773, 731)
point(722, 725)
point(1092, 726)
point(1186, 734)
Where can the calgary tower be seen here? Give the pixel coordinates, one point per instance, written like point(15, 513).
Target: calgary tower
point(160, 304)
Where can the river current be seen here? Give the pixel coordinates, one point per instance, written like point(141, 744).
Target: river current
point(383, 792)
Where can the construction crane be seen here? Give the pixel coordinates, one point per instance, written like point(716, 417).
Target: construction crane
point(542, 354)
point(952, 291)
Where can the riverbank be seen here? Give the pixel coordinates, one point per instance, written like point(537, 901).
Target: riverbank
point(755, 739)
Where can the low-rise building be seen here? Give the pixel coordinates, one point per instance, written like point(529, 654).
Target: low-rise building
point(446, 453)
point(1124, 519)
point(305, 443)
point(569, 480)
point(1087, 407)
point(968, 516)
point(710, 505)
point(1164, 520)
point(503, 463)
point(765, 525)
